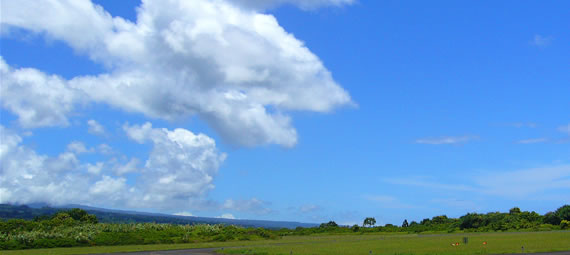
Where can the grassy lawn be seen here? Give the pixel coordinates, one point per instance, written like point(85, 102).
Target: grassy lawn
point(358, 244)
point(420, 244)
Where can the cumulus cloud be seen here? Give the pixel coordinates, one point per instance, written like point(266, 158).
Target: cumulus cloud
point(78, 148)
point(180, 169)
point(446, 140)
point(36, 98)
point(237, 69)
point(181, 165)
point(28, 177)
point(95, 128)
point(129, 167)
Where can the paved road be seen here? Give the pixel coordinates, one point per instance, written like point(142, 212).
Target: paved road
point(210, 251)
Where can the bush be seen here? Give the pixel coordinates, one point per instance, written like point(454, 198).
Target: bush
point(564, 224)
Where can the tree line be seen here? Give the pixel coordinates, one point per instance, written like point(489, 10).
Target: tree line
point(514, 220)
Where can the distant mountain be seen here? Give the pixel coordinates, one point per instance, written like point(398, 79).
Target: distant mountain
point(31, 211)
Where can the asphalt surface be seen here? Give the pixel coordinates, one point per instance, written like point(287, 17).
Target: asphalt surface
point(210, 251)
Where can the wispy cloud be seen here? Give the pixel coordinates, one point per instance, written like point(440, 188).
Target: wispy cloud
point(309, 208)
point(227, 216)
point(521, 124)
point(419, 182)
point(446, 140)
point(564, 129)
point(95, 128)
point(541, 41)
point(183, 214)
point(388, 201)
point(533, 140)
point(456, 203)
point(520, 184)
point(524, 182)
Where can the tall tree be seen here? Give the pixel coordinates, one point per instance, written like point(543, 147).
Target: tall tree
point(369, 221)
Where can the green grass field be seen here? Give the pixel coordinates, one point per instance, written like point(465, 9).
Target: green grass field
point(359, 244)
point(497, 243)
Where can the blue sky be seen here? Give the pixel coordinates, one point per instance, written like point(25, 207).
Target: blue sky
point(308, 110)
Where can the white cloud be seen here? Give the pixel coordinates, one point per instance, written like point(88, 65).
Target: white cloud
point(104, 149)
point(94, 168)
point(253, 205)
point(28, 177)
point(446, 140)
point(236, 69)
point(129, 167)
point(180, 167)
point(531, 141)
point(78, 148)
point(541, 41)
point(36, 98)
point(179, 171)
point(183, 214)
point(95, 128)
point(227, 216)
point(309, 208)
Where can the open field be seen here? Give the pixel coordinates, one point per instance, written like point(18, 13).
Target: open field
point(497, 243)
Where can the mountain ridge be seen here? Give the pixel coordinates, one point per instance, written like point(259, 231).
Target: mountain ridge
point(10, 211)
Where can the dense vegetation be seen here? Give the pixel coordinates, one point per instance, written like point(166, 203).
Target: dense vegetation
point(8, 211)
point(76, 227)
point(514, 220)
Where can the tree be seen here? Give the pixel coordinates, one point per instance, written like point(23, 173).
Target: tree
point(329, 224)
point(563, 212)
point(514, 210)
point(369, 221)
point(405, 224)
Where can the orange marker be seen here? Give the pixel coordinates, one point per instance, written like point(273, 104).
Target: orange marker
point(485, 242)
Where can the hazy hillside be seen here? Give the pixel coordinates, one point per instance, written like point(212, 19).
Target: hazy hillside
point(117, 216)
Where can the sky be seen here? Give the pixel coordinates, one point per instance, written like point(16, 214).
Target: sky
point(291, 110)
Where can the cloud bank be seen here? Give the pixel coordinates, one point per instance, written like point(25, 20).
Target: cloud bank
point(178, 171)
point(235, 68)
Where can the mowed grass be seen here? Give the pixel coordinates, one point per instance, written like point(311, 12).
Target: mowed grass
point(127, 248)
point(382, 243)
point(497, 243)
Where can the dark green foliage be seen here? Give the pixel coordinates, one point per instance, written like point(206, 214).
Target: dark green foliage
point(77, 227)
point(551, 218)
point(369, 222)
point(329, 225)
point(563, 212)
